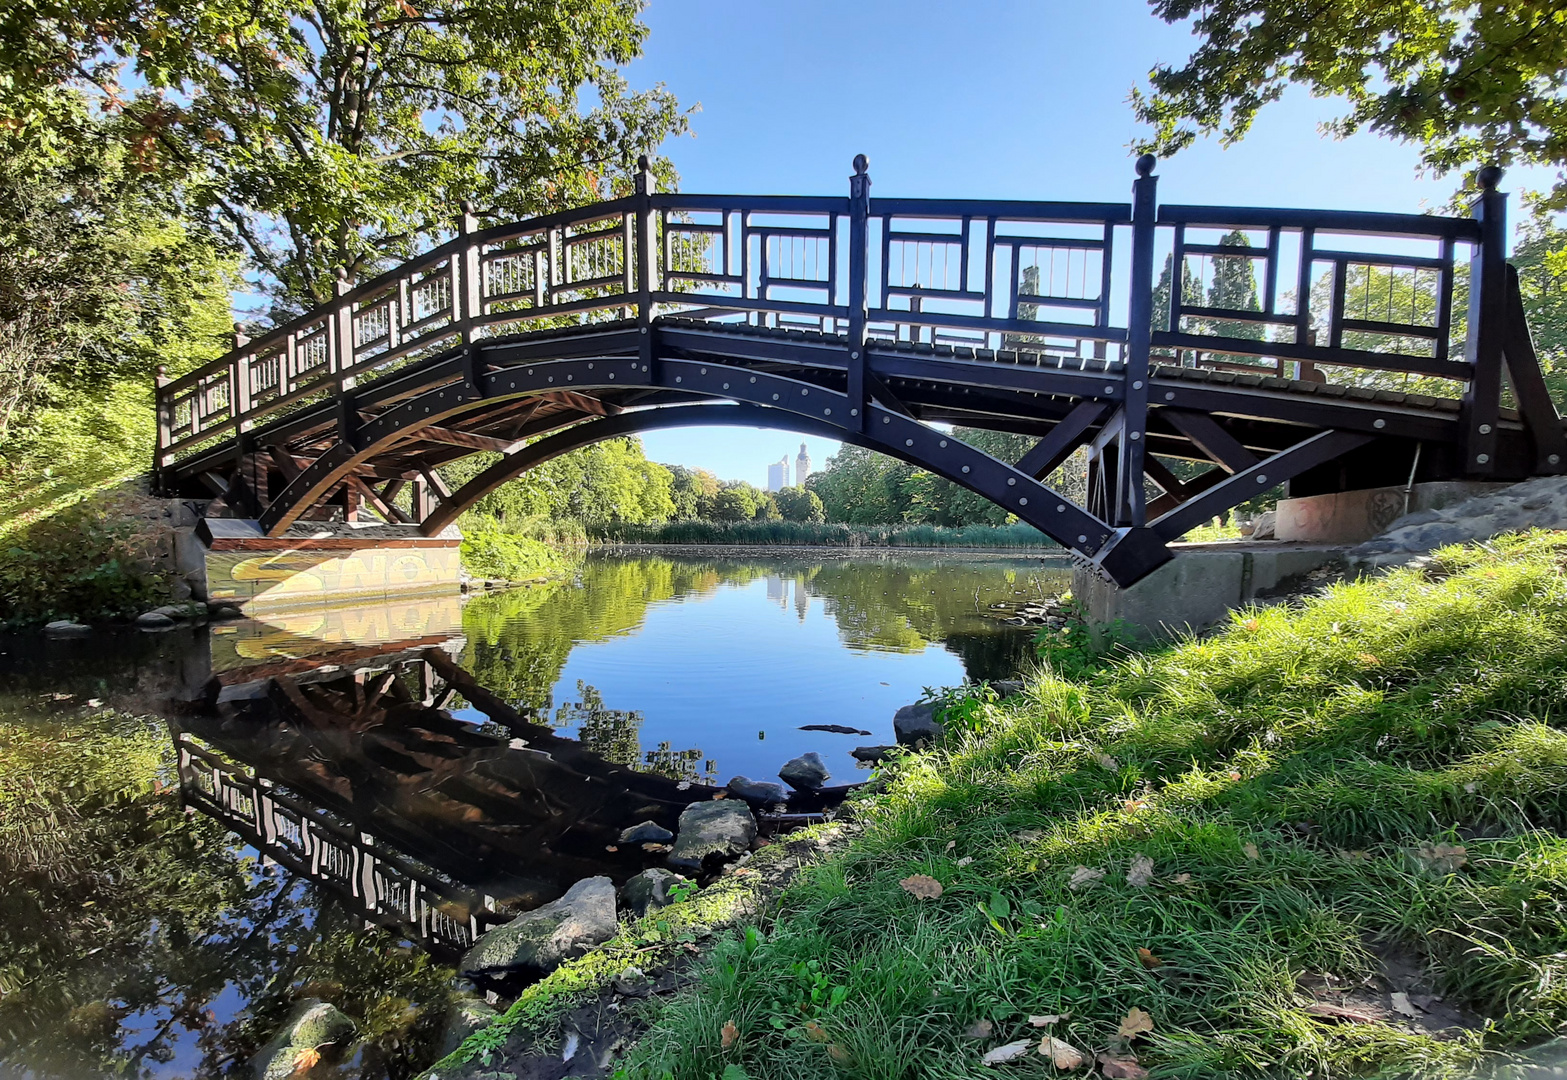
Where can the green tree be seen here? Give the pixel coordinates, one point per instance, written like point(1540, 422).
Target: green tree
point(690, 491)
point(323, 134)
point(800, 504)
point(608, 481)
point(737, 502)
point(1470, 84)
point(1235, 288)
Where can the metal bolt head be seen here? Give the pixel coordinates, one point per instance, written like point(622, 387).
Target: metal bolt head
point(1109, 389)
point(965, 468)
point(1137, 385)
point(1022, 502)
point(1134, 436)
point(1262, 478)
point(1082, 539)
point(1379, 423)
point(1482, 458)
point(1485, 429)
point(1554, 459)
point(1011, 481)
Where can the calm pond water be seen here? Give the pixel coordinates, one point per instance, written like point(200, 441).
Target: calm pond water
point(201, 828)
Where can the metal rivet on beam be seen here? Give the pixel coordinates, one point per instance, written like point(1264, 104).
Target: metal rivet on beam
point(726, 386)
point(1482, 458)
point(611, 374)
point(854, 356)
point(704, 371)
point(1169, 395)
point(1138, 385)
point(775, 397)
point(908, 442)
point(854, 412)
point(1379, 423)
point(1262, 478)
point(1485, 429)
point(530, 371)
point(1011, 481)
point(644, 329)
point(753, 377)
point(1061, 508)
point(826, 412)
point(552, 379)
point(644, 367)
point(965, 468)
point(679, 378)
point(1082, 539)
point(1022, 502)
point(943, 444)
point(1554, 459)
point(804, 392)
point(1109, 389)
point(1134, 436)
point(590, 367)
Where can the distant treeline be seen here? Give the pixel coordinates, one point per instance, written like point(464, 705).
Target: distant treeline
point(821, 534)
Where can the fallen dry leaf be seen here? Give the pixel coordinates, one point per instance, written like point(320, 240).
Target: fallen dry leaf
point(1083, 877)
point(951, 844)
point(1121, 1068)
point(980, 1029)
point(1368, 659)
point(728, 1035)
point(1134, 1023)
point(1140, 873)
point(305, 1060)
point(1131, 806)
point(1062, 1055)
point(1404, 1007)
point(1323, 1011)
point(1235, 775)
point(610, 847)
point(1028, 836)
point(837, 1052)
point(1045, 1020)
point(1442, 858)
point(1252, 625)
point(921, 886)
point(1107, 762)
point(1251, 852)
point(1181, 879)
point(1149, 958)
point(1010, 1052)
point(965, 860)
point(815, 1032)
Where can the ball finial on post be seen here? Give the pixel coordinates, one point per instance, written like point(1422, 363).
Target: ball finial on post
point(1490, 176)
point(642, 163)
point(861, 164)
point(1145, 165)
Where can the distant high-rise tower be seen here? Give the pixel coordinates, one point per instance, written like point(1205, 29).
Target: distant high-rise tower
point(802, 467)
point(778, 474)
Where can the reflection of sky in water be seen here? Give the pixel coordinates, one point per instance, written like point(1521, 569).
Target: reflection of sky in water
point(711, 670)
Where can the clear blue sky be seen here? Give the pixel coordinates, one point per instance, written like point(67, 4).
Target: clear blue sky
point(987, 98)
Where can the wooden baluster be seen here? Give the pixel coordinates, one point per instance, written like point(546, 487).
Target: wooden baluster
point(468, 303)
point(340, 346)
point(859, 269)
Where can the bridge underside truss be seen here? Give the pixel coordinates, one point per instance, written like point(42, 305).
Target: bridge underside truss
point(533, 398)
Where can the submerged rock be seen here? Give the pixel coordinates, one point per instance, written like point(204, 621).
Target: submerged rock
point(467, 1014)
point(758, 792)
point(648, 832)
point(539, 940)
point(65, 628)
point(724, 828)
point(317, 1030)
point(321, 1024)
point(915, 725)
point(648, 891)
point(872, 754)
point(805, 773)
point(154, 620)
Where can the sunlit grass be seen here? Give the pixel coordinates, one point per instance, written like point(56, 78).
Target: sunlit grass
point(1296, 779)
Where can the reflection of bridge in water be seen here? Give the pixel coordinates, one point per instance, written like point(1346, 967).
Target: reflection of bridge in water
point(873, 320)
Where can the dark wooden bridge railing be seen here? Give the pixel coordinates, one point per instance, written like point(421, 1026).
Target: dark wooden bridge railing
point(1051, 279)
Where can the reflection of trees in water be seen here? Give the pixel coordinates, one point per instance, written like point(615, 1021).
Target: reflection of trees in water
point(610, 733)
point(682, 764)
point(518, 641)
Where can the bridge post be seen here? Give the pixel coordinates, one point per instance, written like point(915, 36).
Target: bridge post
point(340, 342)
point(647, 253)
point(859, 269)
point(1487, 328)
point(1131, 506)
point(468, 298)
point(165, 411)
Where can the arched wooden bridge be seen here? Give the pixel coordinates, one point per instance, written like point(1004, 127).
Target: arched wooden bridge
point(882, 322)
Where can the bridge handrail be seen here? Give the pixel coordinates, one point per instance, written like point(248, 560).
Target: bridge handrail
point(949, 272)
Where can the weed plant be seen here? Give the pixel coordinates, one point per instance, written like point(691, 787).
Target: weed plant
point(1213, 832)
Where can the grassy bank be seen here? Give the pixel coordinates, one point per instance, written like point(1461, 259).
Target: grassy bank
point(1248, 855)
point(524, 549)
point(804, 534)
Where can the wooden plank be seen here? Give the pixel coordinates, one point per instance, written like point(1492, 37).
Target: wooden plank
point(373, 497)
point(1206, 434)
point(435, 433)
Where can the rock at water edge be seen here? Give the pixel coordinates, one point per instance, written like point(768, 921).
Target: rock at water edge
point(648, 832)
point(65, 628)
point(154, 620)
point(805, 773)
point(758, 792)
point(915, 725)
point(648, 891)
point(723, 827)
point(1007, 687)
point(872, 754)
point(539, 940)
point(318, 1028)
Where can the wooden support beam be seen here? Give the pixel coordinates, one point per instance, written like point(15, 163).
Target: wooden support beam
point(881, 392)
point(1167, 480)
point(391, 513)
point(437, 485)
point(1244, 483)
point(1534, 398)
point(1189, 489)
point(1206, 434)
point(1046, 456)
point(434, 433)
point(287, 464)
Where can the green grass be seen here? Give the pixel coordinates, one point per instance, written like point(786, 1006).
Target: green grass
point(1286, 777)
point(805, 534)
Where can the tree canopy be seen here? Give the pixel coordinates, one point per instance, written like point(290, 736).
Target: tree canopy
point(1471, 84)
point(320, 134)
